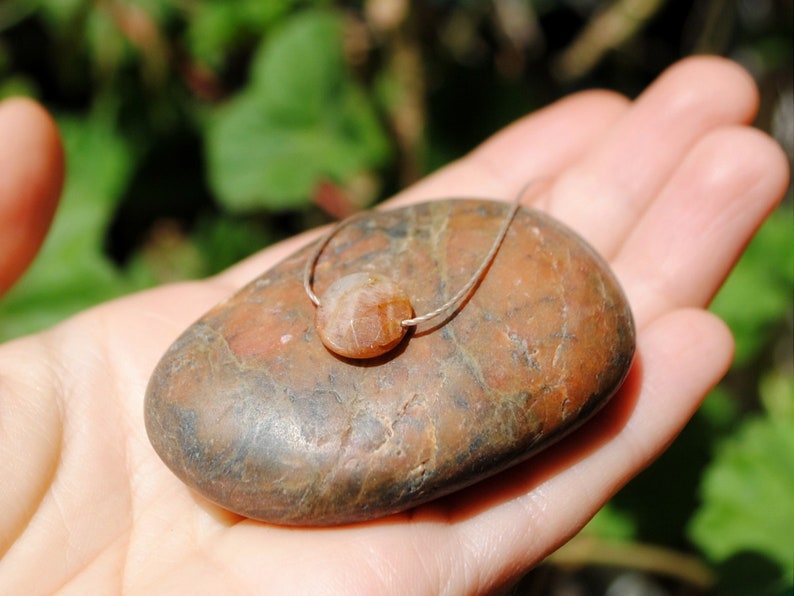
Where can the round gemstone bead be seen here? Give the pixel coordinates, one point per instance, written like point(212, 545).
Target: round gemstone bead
point(360, 315)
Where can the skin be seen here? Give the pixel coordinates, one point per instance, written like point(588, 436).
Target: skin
point(31, 176)
point(669, 188)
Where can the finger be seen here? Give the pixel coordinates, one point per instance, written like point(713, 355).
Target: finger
point(541, 144)
point(603, 196)
point(553, 496)
point(686, 243)
point(31, 176)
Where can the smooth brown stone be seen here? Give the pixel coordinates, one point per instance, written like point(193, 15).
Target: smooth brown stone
point(251, 410)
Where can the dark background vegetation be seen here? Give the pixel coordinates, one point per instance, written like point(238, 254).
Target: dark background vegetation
point(199, 131)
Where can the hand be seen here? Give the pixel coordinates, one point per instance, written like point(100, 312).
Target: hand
point(669, 188)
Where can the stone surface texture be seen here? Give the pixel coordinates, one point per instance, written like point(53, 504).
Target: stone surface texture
point(251, 410)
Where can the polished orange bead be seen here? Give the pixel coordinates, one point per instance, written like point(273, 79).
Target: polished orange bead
point(360, 315)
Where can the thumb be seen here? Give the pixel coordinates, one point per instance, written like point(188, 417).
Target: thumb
point(31, 178)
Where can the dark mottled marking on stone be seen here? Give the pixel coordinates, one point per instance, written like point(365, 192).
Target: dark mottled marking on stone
point(249, 409)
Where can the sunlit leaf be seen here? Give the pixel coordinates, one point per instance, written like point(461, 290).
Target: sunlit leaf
point(302, 119)
point(747, 492)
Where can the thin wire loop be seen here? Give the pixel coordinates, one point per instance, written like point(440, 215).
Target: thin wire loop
point(311, 263)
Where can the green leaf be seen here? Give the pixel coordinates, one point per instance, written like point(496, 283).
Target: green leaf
point(301, 120)
point(300, 68)
point(747, 492)
point(71, 272)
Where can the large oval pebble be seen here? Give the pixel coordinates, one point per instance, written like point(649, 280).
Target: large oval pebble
point(250, 409)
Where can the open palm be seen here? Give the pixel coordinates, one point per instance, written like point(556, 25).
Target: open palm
point(668, 188)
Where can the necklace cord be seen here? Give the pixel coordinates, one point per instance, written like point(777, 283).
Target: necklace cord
point(311, 263)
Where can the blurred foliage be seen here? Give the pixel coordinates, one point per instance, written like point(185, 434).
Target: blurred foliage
point(267, 150)
point(199, 131)
point(753, 466)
